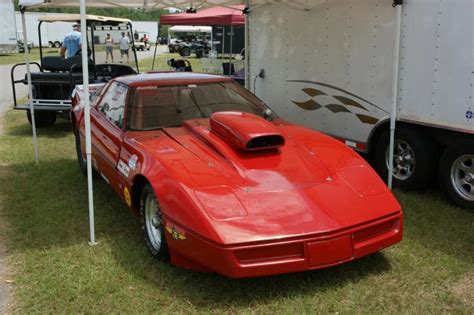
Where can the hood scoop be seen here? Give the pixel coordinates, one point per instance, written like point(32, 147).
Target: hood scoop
point(246, 131)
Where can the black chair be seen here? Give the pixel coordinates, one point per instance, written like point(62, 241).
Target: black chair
point(228, 68)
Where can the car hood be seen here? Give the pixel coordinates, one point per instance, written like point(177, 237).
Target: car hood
point(312, 184)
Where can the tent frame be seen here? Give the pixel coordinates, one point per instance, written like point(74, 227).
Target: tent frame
point(159, 4)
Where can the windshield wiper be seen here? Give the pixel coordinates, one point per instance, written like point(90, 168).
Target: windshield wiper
point(197, 105)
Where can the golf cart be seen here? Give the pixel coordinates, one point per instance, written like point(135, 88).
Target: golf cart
point(56, 77)
point(141, 40)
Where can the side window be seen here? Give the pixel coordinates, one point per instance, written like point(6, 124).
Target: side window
point(113, 103)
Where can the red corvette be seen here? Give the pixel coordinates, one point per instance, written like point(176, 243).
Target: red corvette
point(222, 184)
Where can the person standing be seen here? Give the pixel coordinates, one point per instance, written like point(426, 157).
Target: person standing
point(124, 47)
point(71, 42)
point(109, 48)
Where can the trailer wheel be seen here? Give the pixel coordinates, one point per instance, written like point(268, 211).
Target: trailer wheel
point(456, 174)
point(57, 44)
point(414, 158)
point(185, 52)
point(43, 118)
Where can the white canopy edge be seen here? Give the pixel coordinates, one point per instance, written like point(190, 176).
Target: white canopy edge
point(190, 29)
point(162, 4)
point(77, 18)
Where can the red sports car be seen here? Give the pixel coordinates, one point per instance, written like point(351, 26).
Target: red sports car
point(222, 184)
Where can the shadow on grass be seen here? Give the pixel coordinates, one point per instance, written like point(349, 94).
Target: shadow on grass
point(46, 206)
point(61, 129)
point(431, 221)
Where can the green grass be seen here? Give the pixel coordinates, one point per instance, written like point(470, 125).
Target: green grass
point(56, 271)
point(161, 65)
point(11, 59)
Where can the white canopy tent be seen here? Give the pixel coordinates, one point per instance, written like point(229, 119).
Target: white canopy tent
point(190, 29)
point(181, 4)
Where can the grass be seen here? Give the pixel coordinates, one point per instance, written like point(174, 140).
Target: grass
point(161, 65)
point(56, 271)
point(11, 59)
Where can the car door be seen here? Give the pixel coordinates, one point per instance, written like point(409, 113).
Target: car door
point(107, 128)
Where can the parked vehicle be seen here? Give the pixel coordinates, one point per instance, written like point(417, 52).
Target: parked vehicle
point(141, 40)
point(55, 78)
point(8, 35)
point(332, 69)
point(20, 43)
point(222, 184)
point(185, 49)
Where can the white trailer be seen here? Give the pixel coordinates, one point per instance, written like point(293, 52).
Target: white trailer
point(331, 67)
point(8, 35)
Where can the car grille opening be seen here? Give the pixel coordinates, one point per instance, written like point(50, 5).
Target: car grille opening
point(270, 253)
point(375, 230)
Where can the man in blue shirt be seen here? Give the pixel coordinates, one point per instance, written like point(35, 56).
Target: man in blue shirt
point(72, 42)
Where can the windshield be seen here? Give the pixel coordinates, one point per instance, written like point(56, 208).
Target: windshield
point(154, 107)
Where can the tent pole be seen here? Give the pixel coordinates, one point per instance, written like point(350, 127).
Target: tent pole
point(230, 48)
point(87, 119)
point(156, 47)
point(247, 44)
point(223, 43)
point(393, 116)
point(30, 87)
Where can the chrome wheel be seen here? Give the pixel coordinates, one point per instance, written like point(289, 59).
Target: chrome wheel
point(403, 160)
point(462, 176)
point(153, 222)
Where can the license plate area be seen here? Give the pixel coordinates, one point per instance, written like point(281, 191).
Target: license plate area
point(329, 252)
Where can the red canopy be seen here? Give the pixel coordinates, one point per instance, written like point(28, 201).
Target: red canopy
point(231, 15)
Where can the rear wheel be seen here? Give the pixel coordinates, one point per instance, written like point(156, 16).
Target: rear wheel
point(80, 157)
point(43, 118)
point(414, 158)
point(185, 52)
point(57, 44)
point(456, 173)
point(152, 224)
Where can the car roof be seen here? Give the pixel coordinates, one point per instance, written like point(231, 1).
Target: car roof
point(165, 78)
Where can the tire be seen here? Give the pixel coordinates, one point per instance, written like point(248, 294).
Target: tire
point(199, 53)
point(152, 224)
point(415, 158)
point(456, 174)
point(80, 157)
point(185, 52)
point(43, 118)
point(57, 44)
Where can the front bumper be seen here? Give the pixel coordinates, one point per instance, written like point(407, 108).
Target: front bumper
point(286, 255)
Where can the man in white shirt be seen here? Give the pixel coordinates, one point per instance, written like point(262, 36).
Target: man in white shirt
point(124, 47)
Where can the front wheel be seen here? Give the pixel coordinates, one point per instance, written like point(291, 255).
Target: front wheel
point(456, 173)
point(153, 224)
point(414, 158)
point(43, 118)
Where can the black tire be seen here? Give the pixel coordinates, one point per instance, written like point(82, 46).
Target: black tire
point(199, 53)
point(185, 52)
point(419, 162)
point(80, 157)
point(458, 184)
point(57, 44)
point(43, 118)
point(159, 251)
